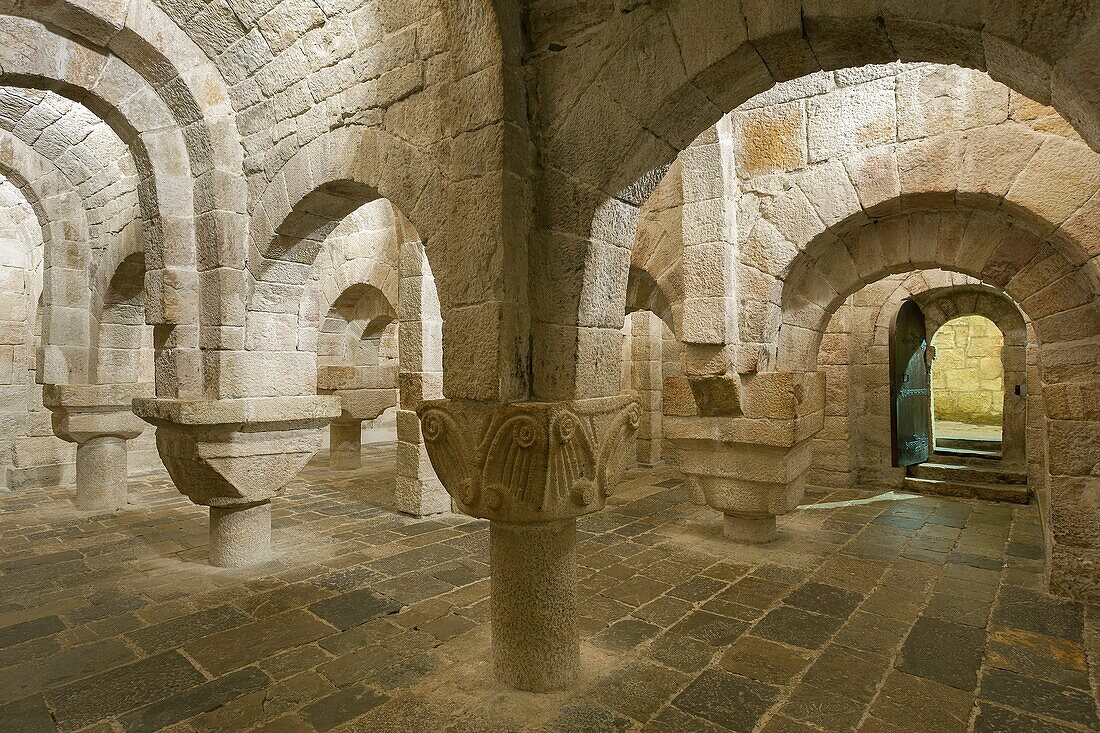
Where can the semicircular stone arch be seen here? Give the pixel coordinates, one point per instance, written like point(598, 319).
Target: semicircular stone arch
point(1055, 294)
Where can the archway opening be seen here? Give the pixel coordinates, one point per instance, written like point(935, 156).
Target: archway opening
point(967, 384)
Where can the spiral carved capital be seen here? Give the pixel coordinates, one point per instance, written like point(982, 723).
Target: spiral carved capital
point(529, 461)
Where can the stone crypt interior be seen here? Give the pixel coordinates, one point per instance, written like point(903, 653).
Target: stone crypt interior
point(549, 365)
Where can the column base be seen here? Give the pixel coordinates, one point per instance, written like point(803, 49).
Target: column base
point(101, 474)
point(345, 446)
point(750, 530)
point(536, 643)
point(240, 535)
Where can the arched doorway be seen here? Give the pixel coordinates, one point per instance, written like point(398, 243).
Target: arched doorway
point(968, 385)
point(910, 395)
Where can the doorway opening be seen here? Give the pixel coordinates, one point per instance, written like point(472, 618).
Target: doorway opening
point(968, 384)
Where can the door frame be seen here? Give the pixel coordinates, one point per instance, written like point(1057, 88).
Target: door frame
point(894, 437)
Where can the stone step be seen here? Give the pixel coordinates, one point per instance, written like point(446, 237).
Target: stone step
point(967, 473)
point(969, 444)
point(959, 489)
point(965, 456)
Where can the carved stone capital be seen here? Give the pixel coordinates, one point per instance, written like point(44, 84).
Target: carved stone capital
point(239, 451)
point(529, 461)
point(82, 412)
point(750, 469)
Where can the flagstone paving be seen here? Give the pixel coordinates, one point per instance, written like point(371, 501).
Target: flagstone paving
point(923, 614)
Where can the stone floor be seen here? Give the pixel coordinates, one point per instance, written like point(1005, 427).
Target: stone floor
point(919, 614)
point(966, 431)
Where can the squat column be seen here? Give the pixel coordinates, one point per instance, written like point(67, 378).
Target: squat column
point(531, 468)
point(345, 445)
point(99, 420)
point(101, 473)
point(234, 456)
point(536, 645)
point(750, 463)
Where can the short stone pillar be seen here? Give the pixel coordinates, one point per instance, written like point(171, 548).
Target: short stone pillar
point(234, 456)
point(531, 468)
point(345, 445)
point(750, 465)
point(365, 393)
point(98, 418)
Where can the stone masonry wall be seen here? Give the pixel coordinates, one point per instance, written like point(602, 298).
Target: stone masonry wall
point(967, 375)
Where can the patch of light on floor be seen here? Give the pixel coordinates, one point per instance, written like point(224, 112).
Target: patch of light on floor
point(888, 496)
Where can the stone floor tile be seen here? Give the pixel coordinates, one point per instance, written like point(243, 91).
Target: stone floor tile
point(726, 699)
point(765, 661)
point(178, 631)
point(943, 652)
point(825, 599)
point(823, 708)
point(638, 690)
point(783, 724)
point(852, 674)
point(916, 704)
point(674, 720)
point(342, 706)
point(1036, 655)
point(871, 632)
point(135, 685)
point(996, 719)
point(754, 592)
point(28, 715)
point(663, 611)
point(636, 590)
point(65, 666)
point(797, 627)
point(200, 699)
point(1040, 697)
point(354, 608)
point(239, 647)
point(587, 717)
point(959, 609)
point(624, 635)
point(130, 586)
point(697, 589)
point(709, 627)
point(1028, 610)
point(28, 630)
point(682, 653)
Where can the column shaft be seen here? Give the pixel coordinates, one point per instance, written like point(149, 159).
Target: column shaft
point(345, 445)
point(240, 534)
point(101, 473)
point(536, 645)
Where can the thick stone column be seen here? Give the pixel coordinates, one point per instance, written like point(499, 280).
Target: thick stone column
point(240, 534)
point(101, 473)
point(536, 645)
point(234, 456)
point(531, 468)
point(750, 464)
point(99, 420)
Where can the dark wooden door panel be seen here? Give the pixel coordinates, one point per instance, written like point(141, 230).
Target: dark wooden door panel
point(910, 387)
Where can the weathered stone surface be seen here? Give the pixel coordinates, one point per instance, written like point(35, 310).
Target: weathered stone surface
point(727, 700)
point(135, 685)
point(354, 608)
point(228, 650)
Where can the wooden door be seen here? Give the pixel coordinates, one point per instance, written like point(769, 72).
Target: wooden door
point(910, 387)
